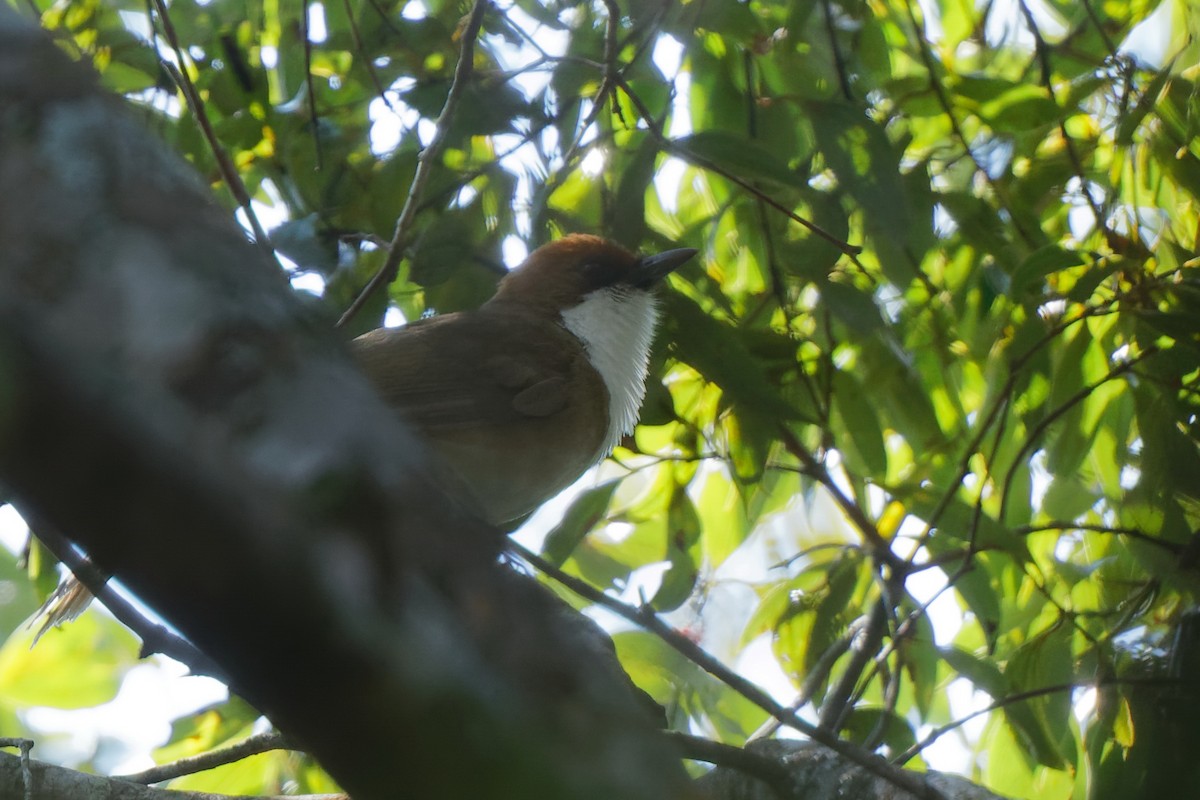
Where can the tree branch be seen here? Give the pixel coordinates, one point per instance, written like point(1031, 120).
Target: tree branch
point(646, 618)
point(155, 638)
point(432, 152)
point(252, 746)
point(49, 782)
point(229, 172)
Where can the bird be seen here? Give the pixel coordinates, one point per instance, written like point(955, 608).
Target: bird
point(519, 397)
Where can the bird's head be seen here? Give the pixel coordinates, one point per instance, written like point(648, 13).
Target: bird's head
point(603, 294)
point(569, 271)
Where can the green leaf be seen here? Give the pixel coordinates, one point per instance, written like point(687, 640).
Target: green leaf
point(1067, 497)
point(961, 522)
point(868, 167)
point(1043, 722)
point(920, 657)
point(853, 411)
point(899, 390)
point(853, 307)
point(306, 243)
point(683, 553)
point(76, 666)
point(721, 356)
point(1025, 107)
point(446, 260)
point(1042, 262)
point(20, 600)
point(629, 207)
point(742, 157)
point(982, 672)
point(834, 612)
point(584, 513)
point(896, 732)
point(656, 668)
point(485, 107)
point(723, 516)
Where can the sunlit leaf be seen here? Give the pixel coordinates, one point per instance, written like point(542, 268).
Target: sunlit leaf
point(76, 666)
point(743, 157)
point(583, 515)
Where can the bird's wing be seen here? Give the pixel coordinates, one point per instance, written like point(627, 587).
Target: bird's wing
point(467, 370)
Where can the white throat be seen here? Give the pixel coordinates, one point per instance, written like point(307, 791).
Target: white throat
point(616, 326)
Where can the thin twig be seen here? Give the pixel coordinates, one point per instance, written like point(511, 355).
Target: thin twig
point(878, 546)
point(1132, 533)
point(1027, 695)
point(815, 675)
point(891, 698)
point(838, 700)
point(839, 61)
point(385, 18)
point(1041, 50)
point(367, 62)
point(314, 121)
point(225, 164)
point(252, 746)
point(849, 250)
point(1109, 45)
point(1000, 403)
point(425, 163)
point(778, 283)
point(646, 618)
point(1052, 417)
point(610, 77)
point(1026, 446)
point(956, 128)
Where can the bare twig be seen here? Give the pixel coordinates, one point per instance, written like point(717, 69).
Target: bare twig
point(947, 108)
point(1002, 399)
point(1042, 52)
point(646, 618)
point(815, 675)
point(228, 170)
point(839, 60)
point(1033, 437)
point(611, 29)
point(252, 746)
point(313, 118)
point(1018, 697)
point(367, 62)
point(610, 77)
point(1109, 45)
point(849, 250)
point(425, 163)
point(1052, 417)
point(385, 17)
point(1132, 533)
point(877, 545)
point(838, 701)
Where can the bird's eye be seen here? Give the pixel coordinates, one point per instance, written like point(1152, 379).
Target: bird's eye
point(595, 273)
